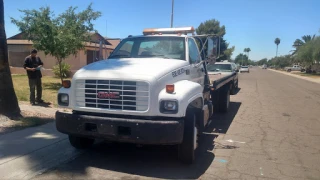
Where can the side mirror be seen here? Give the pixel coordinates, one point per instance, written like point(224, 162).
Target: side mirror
point(212, 48)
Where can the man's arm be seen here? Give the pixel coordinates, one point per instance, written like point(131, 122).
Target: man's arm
point(40, 62)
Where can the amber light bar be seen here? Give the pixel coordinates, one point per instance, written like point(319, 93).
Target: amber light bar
point(182, 30)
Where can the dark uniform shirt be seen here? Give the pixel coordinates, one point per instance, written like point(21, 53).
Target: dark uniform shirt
point(33, 62)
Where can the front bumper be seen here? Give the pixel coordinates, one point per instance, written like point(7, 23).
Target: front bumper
point(121, 129)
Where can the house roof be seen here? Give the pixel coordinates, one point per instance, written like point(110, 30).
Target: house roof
point(114, 43)
point(95, 38)
point(27, 42)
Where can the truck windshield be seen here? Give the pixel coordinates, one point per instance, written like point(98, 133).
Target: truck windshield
point(151, 47)
point(219, 67)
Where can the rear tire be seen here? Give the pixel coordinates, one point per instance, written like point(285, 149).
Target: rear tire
point(224, 100)
point(186, 150)
point(234, 88)
point(80, 142)
point(289, 70)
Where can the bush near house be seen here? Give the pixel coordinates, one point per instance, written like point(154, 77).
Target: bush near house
point(65, 70)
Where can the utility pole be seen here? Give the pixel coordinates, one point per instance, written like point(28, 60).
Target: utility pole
point(172, 14)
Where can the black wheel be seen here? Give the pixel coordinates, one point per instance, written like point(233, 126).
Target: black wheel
point(190, 137)
point(224, 100)
point(80, 142)
point(234, 88)
point(289, 70)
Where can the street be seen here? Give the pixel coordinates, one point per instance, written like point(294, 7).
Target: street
point(272, 131)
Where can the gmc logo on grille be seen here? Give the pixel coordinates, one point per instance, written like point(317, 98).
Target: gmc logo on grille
point(108, 95)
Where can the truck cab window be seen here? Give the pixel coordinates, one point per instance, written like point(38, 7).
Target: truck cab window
point(151, 47)
point(124, 50)
point(194, 55)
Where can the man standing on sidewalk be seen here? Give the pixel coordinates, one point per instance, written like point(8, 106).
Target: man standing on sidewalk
point(33, 64)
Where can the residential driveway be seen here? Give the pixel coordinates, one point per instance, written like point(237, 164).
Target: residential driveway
point(271, 132)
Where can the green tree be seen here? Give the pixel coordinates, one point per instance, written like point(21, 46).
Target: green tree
point(309, 52)
point(316, 51)
point(213, 27)
point(298, 42)
point(8, 99)
point(262, 61)
point(241, 59)
point(59, 36)
point(277, 42)
point(281, 61)
point(229, 52)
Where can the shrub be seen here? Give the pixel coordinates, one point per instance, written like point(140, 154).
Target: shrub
point(65, 70)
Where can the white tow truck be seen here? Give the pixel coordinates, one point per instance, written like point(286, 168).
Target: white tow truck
point(153, 89)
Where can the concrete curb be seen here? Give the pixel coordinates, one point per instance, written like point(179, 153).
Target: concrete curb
point(297, 76)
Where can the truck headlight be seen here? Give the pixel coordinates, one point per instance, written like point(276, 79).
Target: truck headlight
point(169, 106)
point(63, 99)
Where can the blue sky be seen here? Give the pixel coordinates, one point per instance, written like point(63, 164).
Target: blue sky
point(249, 23)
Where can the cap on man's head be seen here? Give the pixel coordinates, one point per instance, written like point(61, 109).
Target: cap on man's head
point(34, 51)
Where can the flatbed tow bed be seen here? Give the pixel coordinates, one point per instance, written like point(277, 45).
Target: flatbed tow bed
point(220, 85)
point(218, 80)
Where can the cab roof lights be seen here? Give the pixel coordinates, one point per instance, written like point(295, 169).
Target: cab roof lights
point(179, 30)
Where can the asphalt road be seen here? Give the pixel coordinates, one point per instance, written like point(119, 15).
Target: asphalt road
point(271, 132)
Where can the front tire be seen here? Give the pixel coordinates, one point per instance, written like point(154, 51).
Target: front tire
point(186, 150)
point(80, 142)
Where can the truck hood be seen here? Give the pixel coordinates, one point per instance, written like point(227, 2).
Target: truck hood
point(130, 68)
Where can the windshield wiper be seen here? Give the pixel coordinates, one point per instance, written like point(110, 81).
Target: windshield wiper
point(118, 56)
point(214, 70)
point(160, 55)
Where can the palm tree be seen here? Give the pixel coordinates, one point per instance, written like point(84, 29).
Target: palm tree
point(277, 42)
point(8, 99)
point(245, 50)
point(307, 38)
point(248, 51)
point(298, 42)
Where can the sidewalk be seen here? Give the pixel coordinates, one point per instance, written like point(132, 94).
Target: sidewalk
point(315, 80)
point(28, 152)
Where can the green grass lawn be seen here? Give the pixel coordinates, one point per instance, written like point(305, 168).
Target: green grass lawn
point(50, 87)
point(311, 75)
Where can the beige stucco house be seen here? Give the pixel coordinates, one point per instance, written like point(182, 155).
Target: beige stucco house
point(98, 48)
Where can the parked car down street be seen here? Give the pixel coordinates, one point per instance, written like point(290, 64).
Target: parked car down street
point(244, 69)
point(294, 68)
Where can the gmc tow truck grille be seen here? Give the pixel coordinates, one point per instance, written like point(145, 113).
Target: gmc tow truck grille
point(112, 95)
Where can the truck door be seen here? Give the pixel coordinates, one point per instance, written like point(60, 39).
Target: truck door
point(197, 71)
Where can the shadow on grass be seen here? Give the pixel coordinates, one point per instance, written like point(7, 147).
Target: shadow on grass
point(52, 86)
